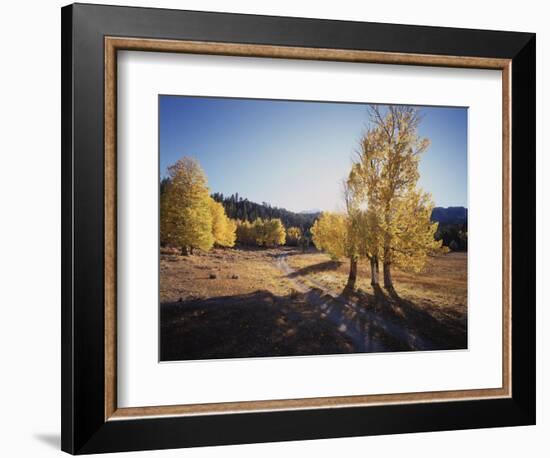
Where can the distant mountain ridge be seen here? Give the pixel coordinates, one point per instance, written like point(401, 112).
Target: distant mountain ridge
point(450, 215)
point(313, 211)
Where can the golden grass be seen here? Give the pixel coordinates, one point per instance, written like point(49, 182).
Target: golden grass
point(442, 283)
point(236, 272)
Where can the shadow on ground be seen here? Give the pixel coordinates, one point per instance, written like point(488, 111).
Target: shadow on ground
point(251, 325)
point(261, 324)
point(316, 268)
point(434, 328)
point(309, 321)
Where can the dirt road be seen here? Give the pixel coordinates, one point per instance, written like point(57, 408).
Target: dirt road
point(368, 331)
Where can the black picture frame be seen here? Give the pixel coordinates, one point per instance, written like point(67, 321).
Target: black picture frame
point(84, 428)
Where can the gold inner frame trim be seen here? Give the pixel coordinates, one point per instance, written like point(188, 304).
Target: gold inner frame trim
point(112, 45)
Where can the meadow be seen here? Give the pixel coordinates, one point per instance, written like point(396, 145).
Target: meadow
point(250, 302)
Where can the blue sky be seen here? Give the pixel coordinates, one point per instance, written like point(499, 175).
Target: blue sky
point(295, 154)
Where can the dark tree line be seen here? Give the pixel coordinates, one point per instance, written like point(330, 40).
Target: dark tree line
point(243, 209)
point(453, 227)
point(454, 236)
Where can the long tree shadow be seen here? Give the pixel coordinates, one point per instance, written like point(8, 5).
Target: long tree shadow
point(315, 268)
point(261, 324)
point(289, 251)
point(251, 325)
point(370, 310)
point(368, 331)
point(426, 324)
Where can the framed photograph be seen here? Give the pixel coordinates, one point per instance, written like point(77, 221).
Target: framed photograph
point(282, 228)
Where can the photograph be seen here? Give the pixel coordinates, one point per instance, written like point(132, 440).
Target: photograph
point(294, 228)
point(260, 222)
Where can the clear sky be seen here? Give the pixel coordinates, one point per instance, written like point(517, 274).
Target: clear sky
point(295, 154)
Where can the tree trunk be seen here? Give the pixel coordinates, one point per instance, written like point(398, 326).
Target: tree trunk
point(352, 273)
point(184, 251)
point(374, 271)
point(388, 282)
point(190, 250)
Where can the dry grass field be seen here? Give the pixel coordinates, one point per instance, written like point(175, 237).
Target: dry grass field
point(281, 302)
point(441, 287)
point(236, 272)
point(432, 304)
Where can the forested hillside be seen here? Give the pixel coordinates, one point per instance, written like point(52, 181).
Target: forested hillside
point(453, 221)
point(453, 227)
point(243, 209)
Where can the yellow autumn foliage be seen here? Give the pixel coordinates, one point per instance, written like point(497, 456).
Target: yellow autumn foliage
point(261, 232)
point(223, 228)
point(396, 227)
point(293, 235)
point(269, 232)
point(185, 215)
point(330, 234)
point(245, 233)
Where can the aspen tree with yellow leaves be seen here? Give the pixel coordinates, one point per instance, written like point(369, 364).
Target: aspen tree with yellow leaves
point(335, 233)
point(386, 177)
point(245, 233)
point(367, 222)
point(269, 232)
point(276, 234)
point(293, 235)
point(330, 234)
point(186, 218)
point(259, 232)
point(223, 228)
